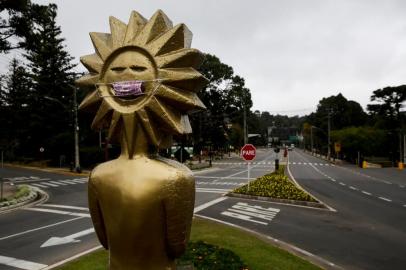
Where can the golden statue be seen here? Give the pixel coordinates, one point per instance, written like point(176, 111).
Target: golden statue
point(142, 204)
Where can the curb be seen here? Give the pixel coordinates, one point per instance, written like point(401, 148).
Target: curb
point(35, 196)
point(284, 201)
point(45, 169)
point(322, 263)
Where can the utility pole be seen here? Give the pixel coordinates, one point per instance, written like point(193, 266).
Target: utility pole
point(76, 130)
point(328, 135)
point(311, 139)
point(245, 125)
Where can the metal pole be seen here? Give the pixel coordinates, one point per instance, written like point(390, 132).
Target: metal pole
point(311, 139)
point(245, 125)
point(404, 149)
point(400, 146)
point(248, 176)
point(328, 135)
point(76, 131)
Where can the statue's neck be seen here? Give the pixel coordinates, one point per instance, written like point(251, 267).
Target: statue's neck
point(138, 148)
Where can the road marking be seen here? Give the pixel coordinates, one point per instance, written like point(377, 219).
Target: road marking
point(57, 183)
point(385, 199)
point(57, 212)
point(72, 258)
point(208, 204)
point(367, 193)
point(353, 188)
point(66, 207)
point(39, 185)
point(49, 184)
point(56, 241)
point(343, 184)
point(69, 182)
point(212, 190)
point(247, 212)
point(40, 228)
point(217, 177)
point(21, 264)
point(404, 205)
point(242, 217)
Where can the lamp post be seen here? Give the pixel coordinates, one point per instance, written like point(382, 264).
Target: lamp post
point(75, 126)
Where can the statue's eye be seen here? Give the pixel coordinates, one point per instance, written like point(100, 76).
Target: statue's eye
point(138, 68)
point(118, 69)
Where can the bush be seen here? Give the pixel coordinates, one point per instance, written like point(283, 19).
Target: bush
point(275, 185)
point(205, 256)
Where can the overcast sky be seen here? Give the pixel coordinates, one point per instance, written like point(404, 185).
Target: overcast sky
point(291, 53)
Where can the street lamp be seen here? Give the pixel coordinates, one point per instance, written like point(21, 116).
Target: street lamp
point(75, 126)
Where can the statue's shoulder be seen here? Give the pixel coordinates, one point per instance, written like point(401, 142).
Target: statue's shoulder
point(174, 166)
point(102, 170)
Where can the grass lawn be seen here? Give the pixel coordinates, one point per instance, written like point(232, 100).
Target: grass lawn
point(255, 253)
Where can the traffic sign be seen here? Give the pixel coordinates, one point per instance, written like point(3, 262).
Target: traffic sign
point(337, 147)
point(248, 152)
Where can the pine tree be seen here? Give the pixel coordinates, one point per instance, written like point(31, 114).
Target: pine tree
point(50, 68)
point(15, 111)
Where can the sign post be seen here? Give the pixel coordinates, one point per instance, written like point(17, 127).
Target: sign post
point(248, 153)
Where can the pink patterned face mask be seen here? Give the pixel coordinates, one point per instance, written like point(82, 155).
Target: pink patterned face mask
point(127, 88)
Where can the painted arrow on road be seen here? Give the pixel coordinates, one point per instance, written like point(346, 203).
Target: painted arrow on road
point(55, 241)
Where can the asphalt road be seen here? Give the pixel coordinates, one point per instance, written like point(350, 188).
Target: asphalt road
point(367, 230)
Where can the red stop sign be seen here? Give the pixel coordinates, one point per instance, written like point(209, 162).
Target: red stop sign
point(248, 152)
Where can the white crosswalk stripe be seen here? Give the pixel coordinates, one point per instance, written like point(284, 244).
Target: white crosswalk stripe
point(252, 213)
point(59, 183)
point(309, 163)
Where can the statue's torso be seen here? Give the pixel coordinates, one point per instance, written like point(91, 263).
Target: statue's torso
point(133, 196)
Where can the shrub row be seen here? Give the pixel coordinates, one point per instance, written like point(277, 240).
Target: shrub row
point(275, 185)
point(205, 256)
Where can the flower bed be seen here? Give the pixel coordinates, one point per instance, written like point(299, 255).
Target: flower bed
point(206, 256)
point(275, 185)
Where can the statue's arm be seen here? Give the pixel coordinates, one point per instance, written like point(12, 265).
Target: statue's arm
point(96, 214)
point(179, 205)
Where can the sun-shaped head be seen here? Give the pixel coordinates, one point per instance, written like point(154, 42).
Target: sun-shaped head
point(155, 56)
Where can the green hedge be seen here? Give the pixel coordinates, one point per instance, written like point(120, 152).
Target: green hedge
point(205, 256)
point(275, 185)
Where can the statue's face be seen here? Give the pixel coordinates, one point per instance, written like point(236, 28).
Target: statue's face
point(130, 64)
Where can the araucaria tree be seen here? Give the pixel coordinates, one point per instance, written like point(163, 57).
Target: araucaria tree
point(45, 81)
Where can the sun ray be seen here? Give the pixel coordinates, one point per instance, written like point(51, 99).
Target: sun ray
point(181, 99)
point(114, 125)
point(156, 26)
point(118, 29)
point(135, 24)
point(169, 117)
point(101, 115)
point(183, 78)
point(88, 80)
point(148, 126)
point(180, 58)
point(90, 100)
point(92, 62)
point(187, 128)
point(175, 39)
point(102, 44)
